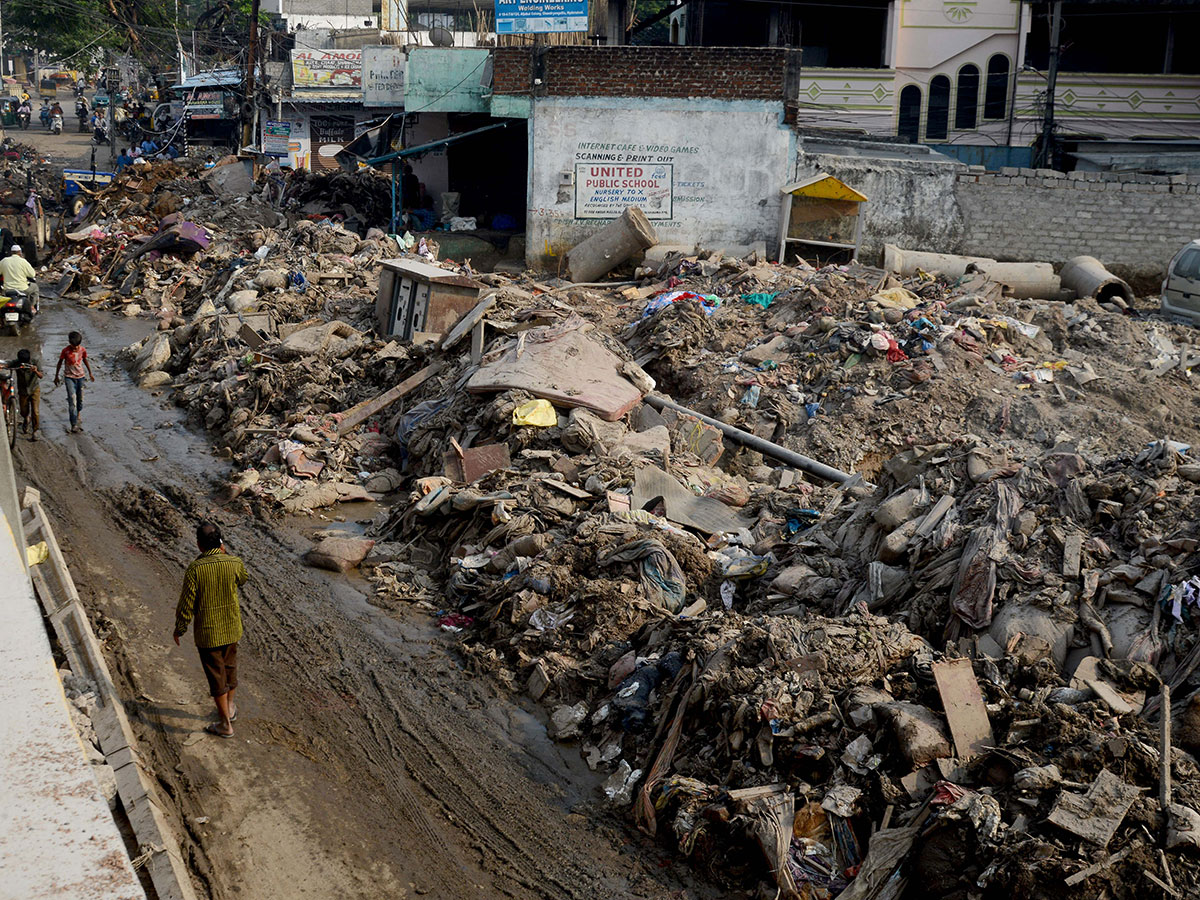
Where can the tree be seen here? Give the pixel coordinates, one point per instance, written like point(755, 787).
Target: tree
point(660, 31)
point(64, 29)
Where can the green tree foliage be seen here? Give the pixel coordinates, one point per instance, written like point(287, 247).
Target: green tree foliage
point(660, 31)
point(65, 29)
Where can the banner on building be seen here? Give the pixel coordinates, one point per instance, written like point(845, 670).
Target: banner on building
point(326, 69)
point(207, 105)
point(277, 138)
point(383, 76)
point(605, 191)
point(540, 16)
point(329, 135)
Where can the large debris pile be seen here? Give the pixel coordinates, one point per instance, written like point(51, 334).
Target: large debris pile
point(263, 307)
point(938, 676)
point(866, 684)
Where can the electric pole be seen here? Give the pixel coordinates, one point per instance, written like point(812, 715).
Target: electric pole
point(249, 106)
point(1046, 150)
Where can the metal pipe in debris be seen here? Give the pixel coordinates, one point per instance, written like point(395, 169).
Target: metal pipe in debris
point(783, 454)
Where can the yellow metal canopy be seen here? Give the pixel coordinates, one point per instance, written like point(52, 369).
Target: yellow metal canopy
point(824, 187)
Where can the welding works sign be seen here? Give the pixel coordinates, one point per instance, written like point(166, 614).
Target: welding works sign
point(541, 16)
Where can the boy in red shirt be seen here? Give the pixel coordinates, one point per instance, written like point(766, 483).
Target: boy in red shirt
point(77, 367)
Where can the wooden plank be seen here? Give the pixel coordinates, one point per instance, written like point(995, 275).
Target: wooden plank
point(477, 340)
point(1072, 552)
point(467, 321)
point(1106, 863)
point(356, 415)
point(569, 489)
point(1160, 883)
point(965, 710)
point(935, 516)
point(250, 337)
point(1096, 815)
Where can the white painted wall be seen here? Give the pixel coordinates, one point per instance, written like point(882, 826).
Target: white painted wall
point(930, 33)
point(58, 838)
point(729, 159)
point(432, 169)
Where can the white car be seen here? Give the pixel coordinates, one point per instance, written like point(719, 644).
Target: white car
point(1181, 287)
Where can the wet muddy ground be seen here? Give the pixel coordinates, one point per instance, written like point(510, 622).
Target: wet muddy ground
point(368, 762)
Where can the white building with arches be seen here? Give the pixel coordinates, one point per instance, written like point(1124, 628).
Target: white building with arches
point(969, 77)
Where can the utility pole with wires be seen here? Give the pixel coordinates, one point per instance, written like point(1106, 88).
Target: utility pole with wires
point(1045, 158)
point(249, 106)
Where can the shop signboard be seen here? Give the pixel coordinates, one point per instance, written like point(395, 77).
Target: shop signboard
point(277, 138)
point(329, 135)
point(383, 76)
point(541, 16)
point(325, 70)
point(604, 191)
point(205, 104)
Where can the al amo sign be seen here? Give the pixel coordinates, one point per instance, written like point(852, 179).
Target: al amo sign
point(327, 69)
point(604, 192)
point(541, 16)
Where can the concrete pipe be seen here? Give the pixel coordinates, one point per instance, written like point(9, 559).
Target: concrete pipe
point(906, 262)
point(608, 248)
point(1023, 280)
point(1087, 277)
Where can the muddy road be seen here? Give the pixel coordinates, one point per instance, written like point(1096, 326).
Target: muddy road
point(368, 762)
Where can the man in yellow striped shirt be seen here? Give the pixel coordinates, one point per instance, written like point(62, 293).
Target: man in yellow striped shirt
point(210, 596)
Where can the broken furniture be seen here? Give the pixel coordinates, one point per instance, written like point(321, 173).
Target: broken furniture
point(418, 301)
point(820, 214)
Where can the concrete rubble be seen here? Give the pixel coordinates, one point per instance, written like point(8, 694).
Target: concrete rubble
point(938, 677)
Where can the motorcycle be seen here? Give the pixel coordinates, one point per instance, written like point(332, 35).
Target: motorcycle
point(82, 122)
point(56, 123)
point(44, 115)
point(99, 136)
point(15, 313)
point(23, 119)
point(131, 131)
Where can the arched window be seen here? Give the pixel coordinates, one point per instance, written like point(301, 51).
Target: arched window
point(938, 123)
point(675, 31)
point(966, 104)
point(908, 124)
point(995, 97)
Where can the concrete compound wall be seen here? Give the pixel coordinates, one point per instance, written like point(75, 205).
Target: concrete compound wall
point(693, 136)
point(723, 162)
point(1133, 223)
point(911, 202)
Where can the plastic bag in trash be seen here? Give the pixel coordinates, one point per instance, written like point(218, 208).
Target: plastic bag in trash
point(619, 786)
point(540, 413)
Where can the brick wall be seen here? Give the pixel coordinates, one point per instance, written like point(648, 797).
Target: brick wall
point(512, 70)
point(1132, 223)
point(724, 73)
